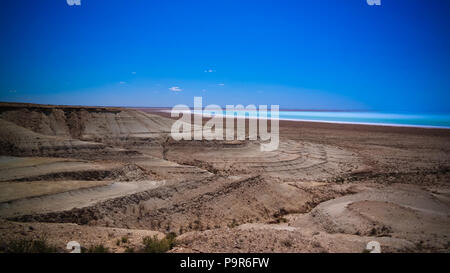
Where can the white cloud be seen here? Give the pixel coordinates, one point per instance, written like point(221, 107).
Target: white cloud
point(134, 72)
point(122, 82)
point(209, 71)
point(220, 84)
point(175, 89)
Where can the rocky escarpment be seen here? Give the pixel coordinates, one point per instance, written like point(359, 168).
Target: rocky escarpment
point(39, 130)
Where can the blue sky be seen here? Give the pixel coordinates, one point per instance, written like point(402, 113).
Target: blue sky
point(317, 54)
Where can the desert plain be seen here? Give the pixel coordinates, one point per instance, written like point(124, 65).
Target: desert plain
point(97, 175)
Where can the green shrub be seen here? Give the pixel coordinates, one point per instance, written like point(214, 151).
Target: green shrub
point(129, 250)
point(154, 245)
point(171, 237)
point(96, 249)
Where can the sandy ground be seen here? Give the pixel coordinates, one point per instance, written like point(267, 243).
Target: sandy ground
point(94, 171)
point(59, 235)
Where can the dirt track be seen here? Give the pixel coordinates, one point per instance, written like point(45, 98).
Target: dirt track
point(328, 188)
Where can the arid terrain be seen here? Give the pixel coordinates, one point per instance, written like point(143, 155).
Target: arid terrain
point(96, 175)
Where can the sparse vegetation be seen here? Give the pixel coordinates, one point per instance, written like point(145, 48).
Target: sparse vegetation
point(197, 225)
point(39, 245)
point(155, 245)
point(129, 250)
point(171, 237)
point(96, 249)
point(122, 240)
point(286, 243)
point(279, 220)
point(233, 223)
